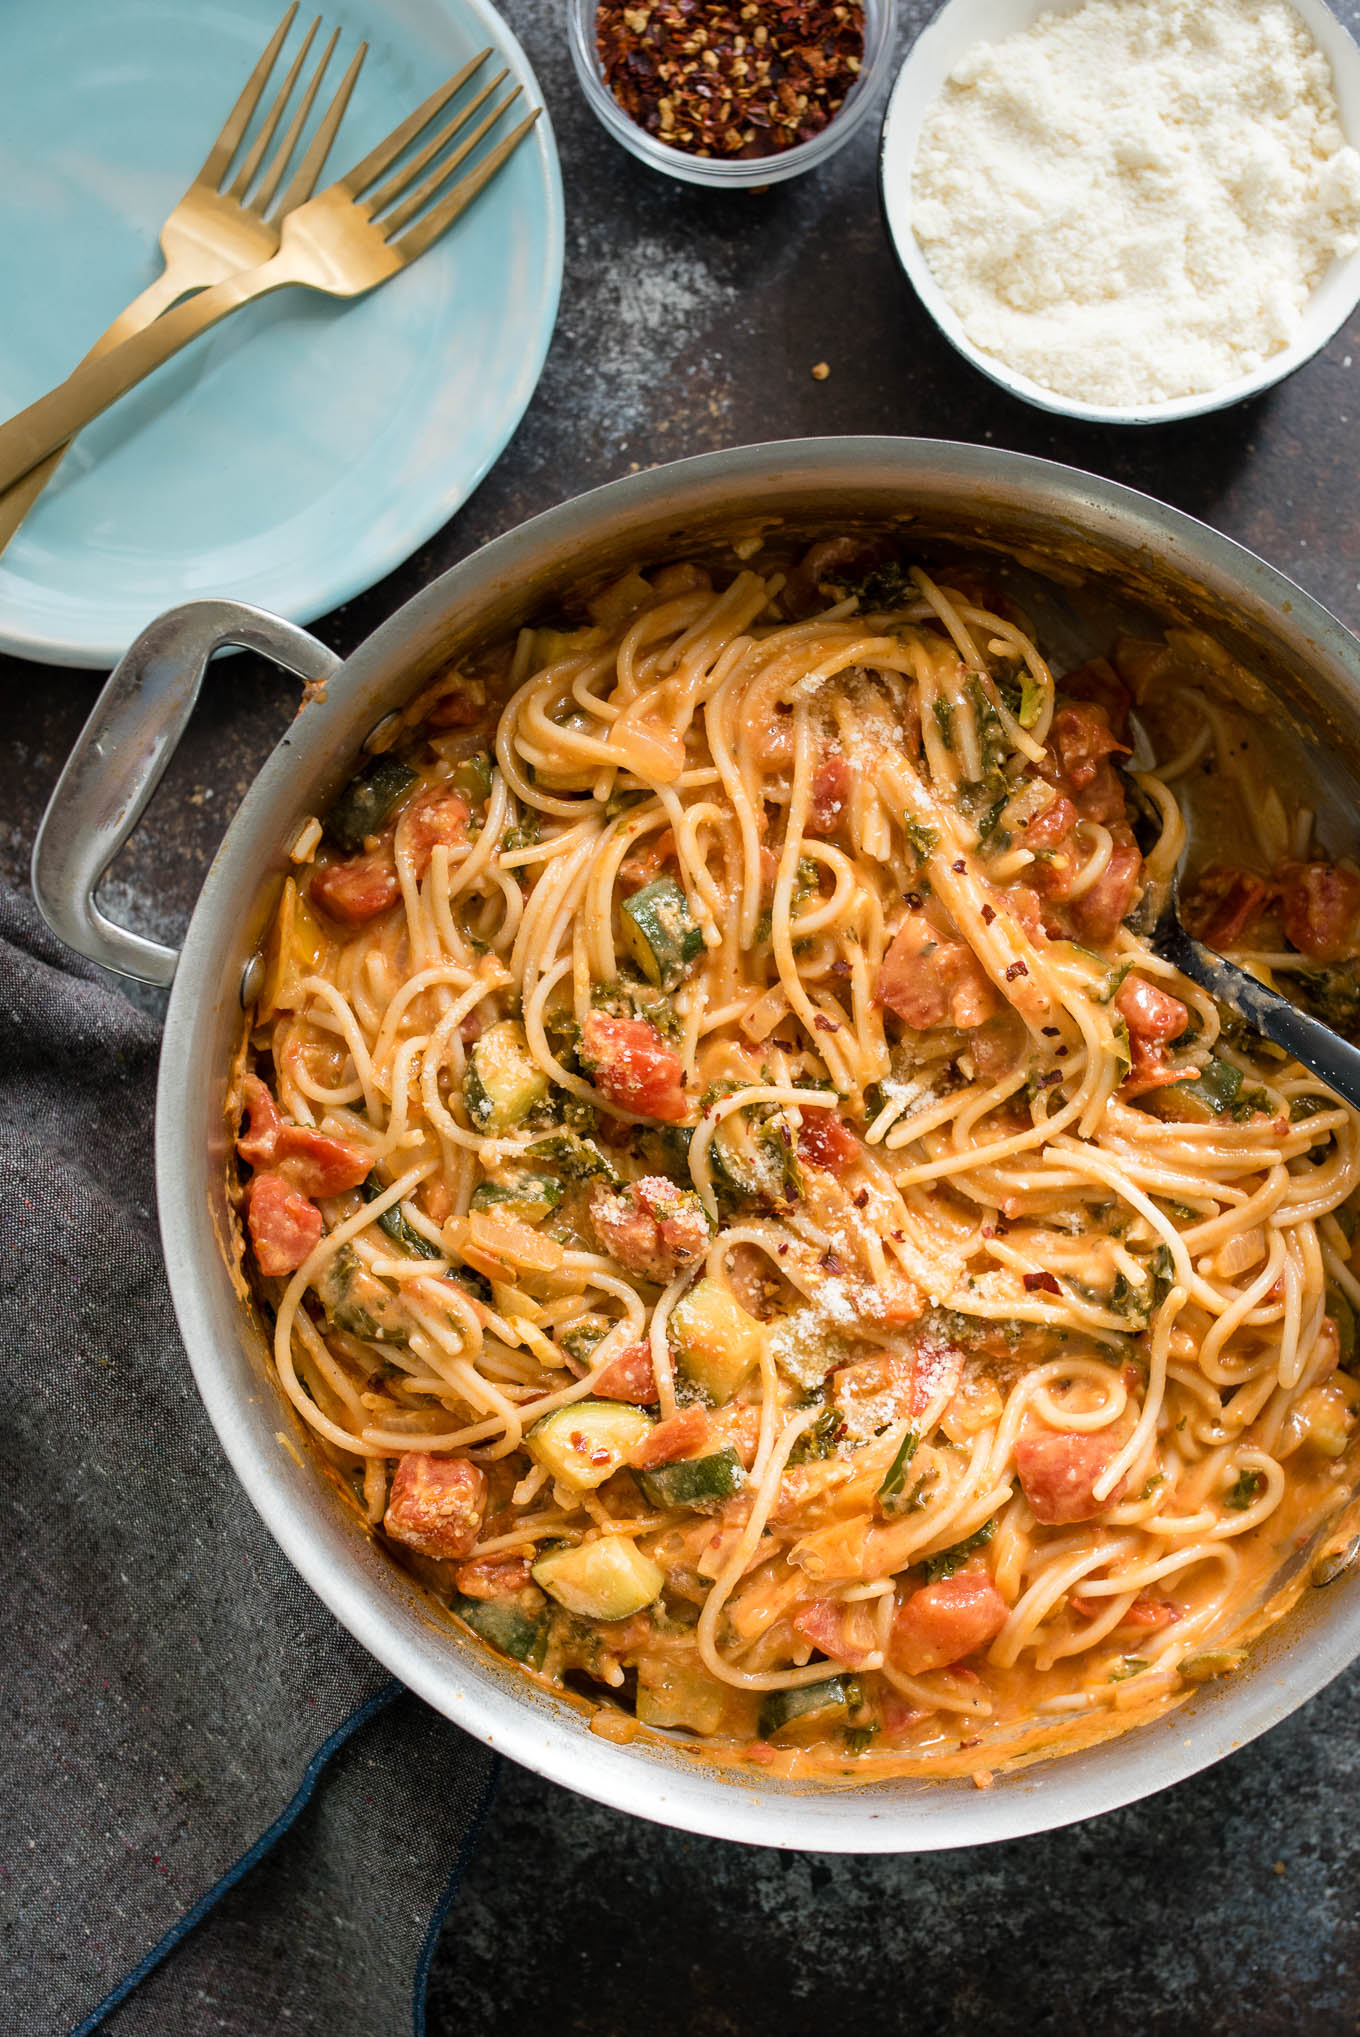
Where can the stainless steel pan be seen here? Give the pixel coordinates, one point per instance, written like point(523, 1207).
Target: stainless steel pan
point(1095, 551)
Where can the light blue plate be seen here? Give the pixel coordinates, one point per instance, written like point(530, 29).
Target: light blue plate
point(306, 446)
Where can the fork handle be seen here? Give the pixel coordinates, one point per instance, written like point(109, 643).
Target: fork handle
point(16, 502)
point(1320, 1049)
point(96, 383)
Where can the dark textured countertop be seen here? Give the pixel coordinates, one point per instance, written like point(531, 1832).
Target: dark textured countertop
point(1231, 1904)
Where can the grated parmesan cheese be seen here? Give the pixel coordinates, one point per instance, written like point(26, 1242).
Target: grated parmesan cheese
point(1134, 201)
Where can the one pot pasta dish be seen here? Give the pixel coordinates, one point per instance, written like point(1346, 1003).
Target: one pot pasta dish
point(745, 1214)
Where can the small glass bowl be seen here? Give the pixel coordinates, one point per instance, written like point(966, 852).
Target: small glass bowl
point(725, 173)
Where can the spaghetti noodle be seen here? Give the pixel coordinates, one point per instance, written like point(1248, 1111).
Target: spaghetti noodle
point(748, 1218)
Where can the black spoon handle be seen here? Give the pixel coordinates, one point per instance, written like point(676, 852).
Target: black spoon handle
point(1330, 1057)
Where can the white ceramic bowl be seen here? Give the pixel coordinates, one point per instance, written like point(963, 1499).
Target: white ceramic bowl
point(958, 26)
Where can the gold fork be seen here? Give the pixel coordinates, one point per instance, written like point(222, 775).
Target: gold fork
point(336, 242)
point(218, 228)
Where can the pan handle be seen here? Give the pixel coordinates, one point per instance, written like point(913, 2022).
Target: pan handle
point(120, 756)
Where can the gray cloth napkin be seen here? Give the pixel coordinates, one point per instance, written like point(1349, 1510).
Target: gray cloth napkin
point(217, 1812)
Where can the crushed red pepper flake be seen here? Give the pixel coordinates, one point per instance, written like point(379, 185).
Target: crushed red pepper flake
point(728, 78)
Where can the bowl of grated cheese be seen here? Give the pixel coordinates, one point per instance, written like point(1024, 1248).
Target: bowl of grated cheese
point(1129, 211)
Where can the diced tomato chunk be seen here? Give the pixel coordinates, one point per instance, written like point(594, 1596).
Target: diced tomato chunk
point(1097, 681)
point(1080, 744)
point(936, 1366)
point(840, 1631)
point(1049, 829)
point(824, 1140)
point(310, 1160)
point(896, 1385)
point(898, 1715)
point(651, 1227)
point(913, 980)
point(434, 1198)
point(1058, 1469)
point(973, 998)
point(941, 1623)
point(634, 1067)
point(436, 1503)
point(681, 1435)
point(256, 1143)
point(1321, 905)
point(1097, 914)
point(1150, 1013)
point(284, 1224)
point(355, 889)
point(821, 1623)
point(831, 782)
point(735, 1427)
point(317, 1163)
point(629, 1377)
point(438, 819)
point(1153, 1017)
point(1150, 1613)
point(892, 1302)
point(930, 979)
point(490, 1577)
point(1150, 1069)
point(648, 858)
point(1224, 903)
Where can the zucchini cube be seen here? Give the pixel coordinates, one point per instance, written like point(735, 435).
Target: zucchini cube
point(527, 1197)
point(504, 1082)
point(808, 1707)
point(718, 1343)
point(698, 1482)
point(587, 1442)
point(606, 1579)
point(660, 933)
point(368, 803)
point(676, 1691)
point(504, 1625)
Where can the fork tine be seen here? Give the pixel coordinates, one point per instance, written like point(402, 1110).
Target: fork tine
point(273, 175)
point(304, 178)
point(245, 176)
point(402, 179)
point(419, 237)
point(238, 120)
point(387, 151)
point(439, 176)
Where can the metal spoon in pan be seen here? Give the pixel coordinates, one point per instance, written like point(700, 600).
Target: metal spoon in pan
point(1321, 1050)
